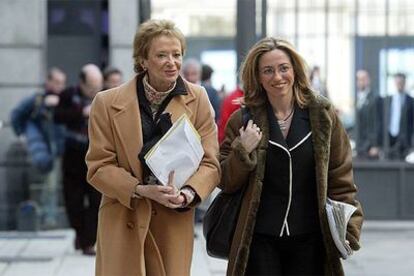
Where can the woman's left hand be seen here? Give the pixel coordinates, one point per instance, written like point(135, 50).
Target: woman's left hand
point(250, 136)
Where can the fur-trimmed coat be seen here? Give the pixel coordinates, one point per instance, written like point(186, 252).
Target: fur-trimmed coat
point(333, 170)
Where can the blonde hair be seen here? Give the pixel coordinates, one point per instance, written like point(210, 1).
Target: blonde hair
point(146, 33)
point(249, 72)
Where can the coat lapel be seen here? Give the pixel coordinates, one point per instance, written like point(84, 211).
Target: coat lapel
point(370, 98)
point(179, 104)
point(127, 121)
point(321, 126)
point(259, 117)
point(403, 118)
point(275, 134)
point(299, 127)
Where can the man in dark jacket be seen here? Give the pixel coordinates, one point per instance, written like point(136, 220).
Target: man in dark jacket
point(81, 199)
point(32, 120)
point(368, 110)
point(399, 121)
point(206, 73)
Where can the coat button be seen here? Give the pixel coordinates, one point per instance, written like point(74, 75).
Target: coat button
point(154, 212)
point(130, 225)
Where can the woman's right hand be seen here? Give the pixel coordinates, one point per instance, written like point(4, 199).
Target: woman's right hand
point(250, 136)
point(167, 195)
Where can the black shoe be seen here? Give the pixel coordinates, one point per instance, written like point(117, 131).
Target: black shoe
point(89, 251)
point(76, 243)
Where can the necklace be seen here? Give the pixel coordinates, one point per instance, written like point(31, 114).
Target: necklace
point(283, 124)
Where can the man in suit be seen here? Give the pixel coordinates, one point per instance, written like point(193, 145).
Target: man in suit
point(368, 108)
point(400, 119)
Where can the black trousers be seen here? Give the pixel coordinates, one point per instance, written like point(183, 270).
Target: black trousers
point(81, 199)
point(288, 255)
point(398, 149)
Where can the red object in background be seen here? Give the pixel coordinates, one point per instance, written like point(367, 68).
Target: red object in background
point(230, 104)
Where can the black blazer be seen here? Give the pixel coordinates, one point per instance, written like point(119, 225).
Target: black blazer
point(368, 124)
point(403, 141)
point(288, 203)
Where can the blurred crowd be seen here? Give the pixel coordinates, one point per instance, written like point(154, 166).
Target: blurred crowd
point(53, 124)
point(384, 125)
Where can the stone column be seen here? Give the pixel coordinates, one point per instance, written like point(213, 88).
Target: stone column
point(246, 28)
point(22, 71)
point(123, 22)
point(22, 56)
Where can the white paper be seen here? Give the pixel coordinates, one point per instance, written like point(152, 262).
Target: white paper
point(179, 150)
point(410, 158)
point(339, 214)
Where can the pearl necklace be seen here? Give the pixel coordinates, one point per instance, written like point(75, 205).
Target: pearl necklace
point(283, 124)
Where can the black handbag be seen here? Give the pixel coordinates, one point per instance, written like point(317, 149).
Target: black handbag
point(220, 222)
point(221, 217)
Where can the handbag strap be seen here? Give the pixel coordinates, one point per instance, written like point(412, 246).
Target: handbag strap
point(246, 116)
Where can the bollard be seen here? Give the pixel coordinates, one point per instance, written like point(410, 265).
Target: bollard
point(28, 216)
point(13, 183)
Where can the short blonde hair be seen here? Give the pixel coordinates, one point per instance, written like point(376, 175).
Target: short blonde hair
point(249, 72)
point(146, 33)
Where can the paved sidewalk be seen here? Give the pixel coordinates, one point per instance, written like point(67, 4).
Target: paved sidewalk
point(42, 254)
point(387, 251)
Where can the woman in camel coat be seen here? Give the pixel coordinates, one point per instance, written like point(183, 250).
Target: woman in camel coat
point(145, 228)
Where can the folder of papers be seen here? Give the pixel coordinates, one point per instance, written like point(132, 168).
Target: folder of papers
point(339, 214)
point(179, 150)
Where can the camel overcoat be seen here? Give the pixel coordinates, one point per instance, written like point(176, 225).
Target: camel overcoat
point(139, 236)
point(333, 170)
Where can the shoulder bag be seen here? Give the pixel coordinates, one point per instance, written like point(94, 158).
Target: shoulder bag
point(221, 217)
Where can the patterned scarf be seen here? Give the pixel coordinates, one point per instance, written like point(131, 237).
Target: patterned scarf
point(153, 96)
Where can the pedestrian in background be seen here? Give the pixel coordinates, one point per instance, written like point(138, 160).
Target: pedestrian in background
point(206, 73)
point(316, 81)
point(146, 228)
point(33, 120)
point(112, 77)
point(292, 155)
point(230, 104)
point(192, 70)
point(81, 199)
point(368, 118)
point(400, 118)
